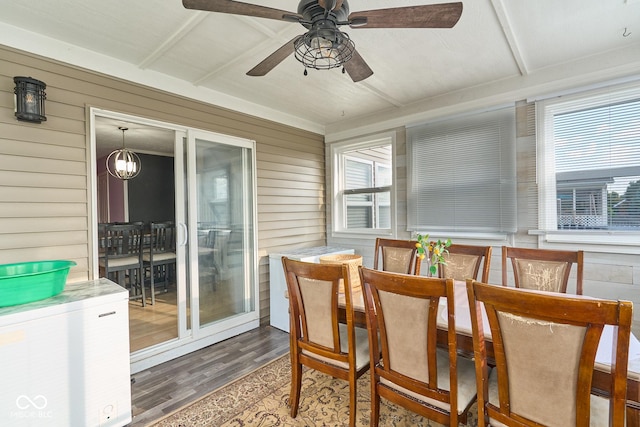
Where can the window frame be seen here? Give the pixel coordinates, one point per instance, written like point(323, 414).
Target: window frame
point(549, 235)
point(339, 153)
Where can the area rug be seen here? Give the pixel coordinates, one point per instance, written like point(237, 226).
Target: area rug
point(260, 399)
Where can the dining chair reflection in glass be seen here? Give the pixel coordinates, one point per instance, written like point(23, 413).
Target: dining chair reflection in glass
point(407, 366)
point(318, 339)
point(122, 260)
point(160, 257)
point(463, 262)
point(542, 269)
point(397, 256)
point(102, 229)
point(544, 348)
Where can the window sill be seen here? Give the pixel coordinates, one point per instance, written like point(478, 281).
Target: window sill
point(468, 235)
point(362, 233)
point(590, 240)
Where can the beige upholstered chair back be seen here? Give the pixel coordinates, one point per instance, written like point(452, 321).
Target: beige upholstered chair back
point(406, 326)
point(540, 275)
point(402, 315)
point(542, 269)
point(316, 311)
point(397, 256)
point(313, 291)
point(464, 261)
point(545, 347)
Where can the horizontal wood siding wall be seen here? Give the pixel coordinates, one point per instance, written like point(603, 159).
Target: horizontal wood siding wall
point(44, 187)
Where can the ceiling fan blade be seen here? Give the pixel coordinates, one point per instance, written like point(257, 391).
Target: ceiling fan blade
point(270, 62)
point(444, 15)
point(239, 8)
point(356, 68)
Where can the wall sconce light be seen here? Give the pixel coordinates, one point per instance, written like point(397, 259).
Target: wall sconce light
point(30, 98)
point(123, 163)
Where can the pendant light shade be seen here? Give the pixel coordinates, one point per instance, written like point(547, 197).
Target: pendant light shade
point(123, 163)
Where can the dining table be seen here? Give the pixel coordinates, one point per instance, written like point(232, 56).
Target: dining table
point(601, 376)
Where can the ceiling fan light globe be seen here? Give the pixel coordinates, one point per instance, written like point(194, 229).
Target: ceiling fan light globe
point(324, 49)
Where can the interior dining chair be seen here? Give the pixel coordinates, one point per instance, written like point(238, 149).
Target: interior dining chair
point(122, 260)
point(542, 269)
point(397, 256)
point(544, 348)
point(318, 340)
point(463, 262)
point(159, 259)
point(407, 366)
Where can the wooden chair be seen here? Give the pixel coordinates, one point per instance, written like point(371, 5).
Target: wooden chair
point(318, 340)
point(542, 269)
point(160, 258)
point(397, 256)
point(122, 258)
point(545, 347)
point(463, 262)
point(407, 367)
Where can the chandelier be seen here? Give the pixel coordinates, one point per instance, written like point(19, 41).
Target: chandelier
point(324, 47)
point(123, 163)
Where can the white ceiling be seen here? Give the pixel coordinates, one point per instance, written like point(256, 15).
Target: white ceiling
point(206, 55)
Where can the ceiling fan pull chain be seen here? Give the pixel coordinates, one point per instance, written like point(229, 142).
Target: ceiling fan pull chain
point(305, 71)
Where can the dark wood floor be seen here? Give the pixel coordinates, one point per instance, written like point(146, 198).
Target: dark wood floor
point(164, 388)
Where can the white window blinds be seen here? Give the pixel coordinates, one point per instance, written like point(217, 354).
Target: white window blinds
point(462, 174)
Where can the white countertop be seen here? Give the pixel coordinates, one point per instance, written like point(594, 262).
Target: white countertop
point(75, 296)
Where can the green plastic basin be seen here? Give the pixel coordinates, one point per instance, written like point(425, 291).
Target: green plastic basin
point(25, 282)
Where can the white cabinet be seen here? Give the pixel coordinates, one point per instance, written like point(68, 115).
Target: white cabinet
point(65, 360)
point(278, 302)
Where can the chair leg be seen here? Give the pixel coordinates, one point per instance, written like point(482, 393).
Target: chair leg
point(296, 385)
point(375, 402)
point(141, 283)
point(153, 285)
point(353, 399)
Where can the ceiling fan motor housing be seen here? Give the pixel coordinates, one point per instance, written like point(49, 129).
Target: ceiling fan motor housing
point(312, 11)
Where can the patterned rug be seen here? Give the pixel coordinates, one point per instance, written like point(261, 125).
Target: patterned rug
point(260, 399)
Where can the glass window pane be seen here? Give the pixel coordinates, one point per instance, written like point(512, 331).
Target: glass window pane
point(595, 142)
point(359, 217)
point(358, 175)
point(225, 227)
point(366, 168)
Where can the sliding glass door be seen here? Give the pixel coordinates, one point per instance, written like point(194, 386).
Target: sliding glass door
point(222, 219)
point(212, 291)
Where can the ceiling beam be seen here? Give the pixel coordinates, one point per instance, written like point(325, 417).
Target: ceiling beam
point(273, 39)
point(505, 23)
point(174, 38)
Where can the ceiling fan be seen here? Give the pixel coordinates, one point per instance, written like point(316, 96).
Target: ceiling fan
point(324, 46)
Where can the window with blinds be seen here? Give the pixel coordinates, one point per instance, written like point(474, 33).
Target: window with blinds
point(589, 165)
point(462, 174)
point(363, 186)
